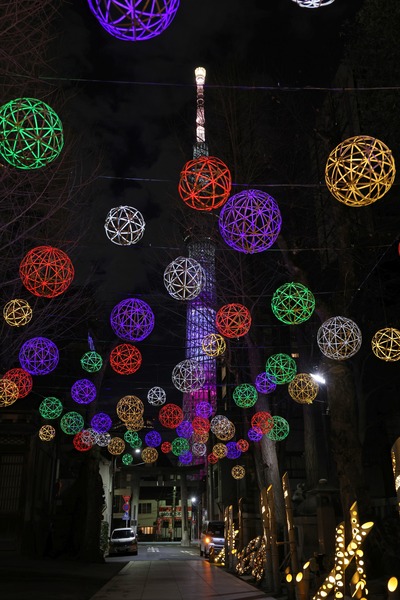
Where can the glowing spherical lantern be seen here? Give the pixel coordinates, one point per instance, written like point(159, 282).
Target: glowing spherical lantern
point(81, 442)
point(9, 392)
point(71, 422)
point(263, 421)
point(293, 303)
point(265, 383)
point(200, 424)
point(250, 221)
point(22, 379)
point(31, 133)
point(200, 436)
point(233, 320)
point(91, 362)
point(185, 429)
point(124, 225)
point(103, 439)
point(184, 278)
point(116, 446)
point(339, 338)
point(135, 424)
point(186, 457)
point(212, 459)
point(386, 344)
point(153, 438)
point(232, 451)
point(213, 345)
point(188, 375)
point(222, 427)
point(131, 436)
point(220, 450)
point(170, 415)
point(17, 312)
point(39, 356)
point(313, 3)
point(303, 388)
point(179, 446)
point(50, 408)
point(134, 20)
point(101, 422)
point(132, 319)
point(125, 359)
point(281, 367)
point(129, 408)
point(203, 409)
point(83, 391)
point(245, 395)
point(136, 444)
point(166, 447)
point(280, 430)
point(254, 434)
point(360, 170)
point(156, 396)
point(127, 459)
point(205, 183)
point(199, 449)
point(47, 433)
point(149, 455)
point(238, 472)
point(46, 271)
point(243, 445)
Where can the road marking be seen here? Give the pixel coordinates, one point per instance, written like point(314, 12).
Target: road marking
point(152, 549)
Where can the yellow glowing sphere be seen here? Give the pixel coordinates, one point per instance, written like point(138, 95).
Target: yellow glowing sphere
point(386, 344)
point(220, 450)
point(303, 388)
point(136, 424)
point(238, 472)
point(9, 392)
point(116, 446)
point(200, 436)
point(47, 433)
point(17, 312)
point(129, 408)
point(149, 454)
point(213, 345)
point(360, 170)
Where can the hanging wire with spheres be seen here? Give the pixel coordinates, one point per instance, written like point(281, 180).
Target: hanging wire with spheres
point(39, 356)
point(339, 338)
point(292, 303)
point(184, 278)
point(17, 312)
point(233, 320)
point(134, 20)
point(124, 225)
point(250, 221)
point(31, 133)
point(188, 375)
point(46, 271)
point(385, 344)
point(360, 171)
point(281, 367)
point(205, 183)
point(132, 319)
point(303, 388)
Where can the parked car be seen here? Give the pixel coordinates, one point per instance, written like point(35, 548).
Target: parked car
point(212, 539)
point(123, 541)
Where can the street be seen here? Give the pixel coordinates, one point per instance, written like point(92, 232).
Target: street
point(160, 551)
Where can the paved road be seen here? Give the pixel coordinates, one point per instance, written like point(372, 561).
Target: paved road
point(149, 551)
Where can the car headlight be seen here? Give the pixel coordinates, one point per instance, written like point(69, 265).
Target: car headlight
point(208, 540)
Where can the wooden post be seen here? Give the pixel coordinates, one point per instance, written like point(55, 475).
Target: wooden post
point(274, 541)
point(267, 538)
point(294, 562)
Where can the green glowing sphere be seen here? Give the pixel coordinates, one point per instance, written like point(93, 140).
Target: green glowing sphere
point(180, 445)
point(127, 459)
point(91, 361)
point(72, 423)
point(245, 395)
point(281, 367)
point(50, 408)
point(293, 303)
point(31, 133)
point(131, 436)
point(280, 430)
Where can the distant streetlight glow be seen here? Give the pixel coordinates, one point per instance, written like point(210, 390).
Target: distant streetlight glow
point(318, 378)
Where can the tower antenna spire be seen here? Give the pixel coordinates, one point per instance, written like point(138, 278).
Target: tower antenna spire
point(200, 147)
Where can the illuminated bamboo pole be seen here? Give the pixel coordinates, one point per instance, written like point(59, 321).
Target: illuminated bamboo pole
point(358, 583)
point(274, 540)
point(294, 562)
point(303, 583)
point(395, 453)
point(267, 538)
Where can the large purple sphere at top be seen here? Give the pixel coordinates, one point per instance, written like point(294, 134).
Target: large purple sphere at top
point(39, 356)
point(134, 20)
point(250, 221)
point(132, 319)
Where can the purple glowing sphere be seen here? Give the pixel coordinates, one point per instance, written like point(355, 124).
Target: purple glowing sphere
point(254, 434)
point(186, 458)
point(250, 221)
point(134, 20)
point(264, 383)
point(185, 429)
point(101, 422)
point(233, 451)
point(152, 438)
point(83, 391)
point(203, 409)
point(38, 356)
point(132, 319)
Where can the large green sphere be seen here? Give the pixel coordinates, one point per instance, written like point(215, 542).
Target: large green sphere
point(31, 133)
point(280, 430)
point(72, 423)
point(91, 361)
point(293, 303)
point(245, 395)
point(281, 367)
point(50, 408)
point(180, 445)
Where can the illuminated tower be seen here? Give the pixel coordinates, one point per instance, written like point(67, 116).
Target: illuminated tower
point(200, 316)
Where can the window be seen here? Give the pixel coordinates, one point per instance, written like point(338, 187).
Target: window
point(144, 508)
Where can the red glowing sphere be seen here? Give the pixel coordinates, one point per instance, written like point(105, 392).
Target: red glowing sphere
point(22, 379)
point(242, 445)
point(233, 320)
point(82, 442)
point(125, 359)
point(170, 415)
point(205, 183)
point(166, 447)
point(200, 424)
point(212, 458)
point(46, 271)
point(263, 421)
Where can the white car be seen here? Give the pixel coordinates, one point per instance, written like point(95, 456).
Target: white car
point(212, 539)
point(123, 541)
